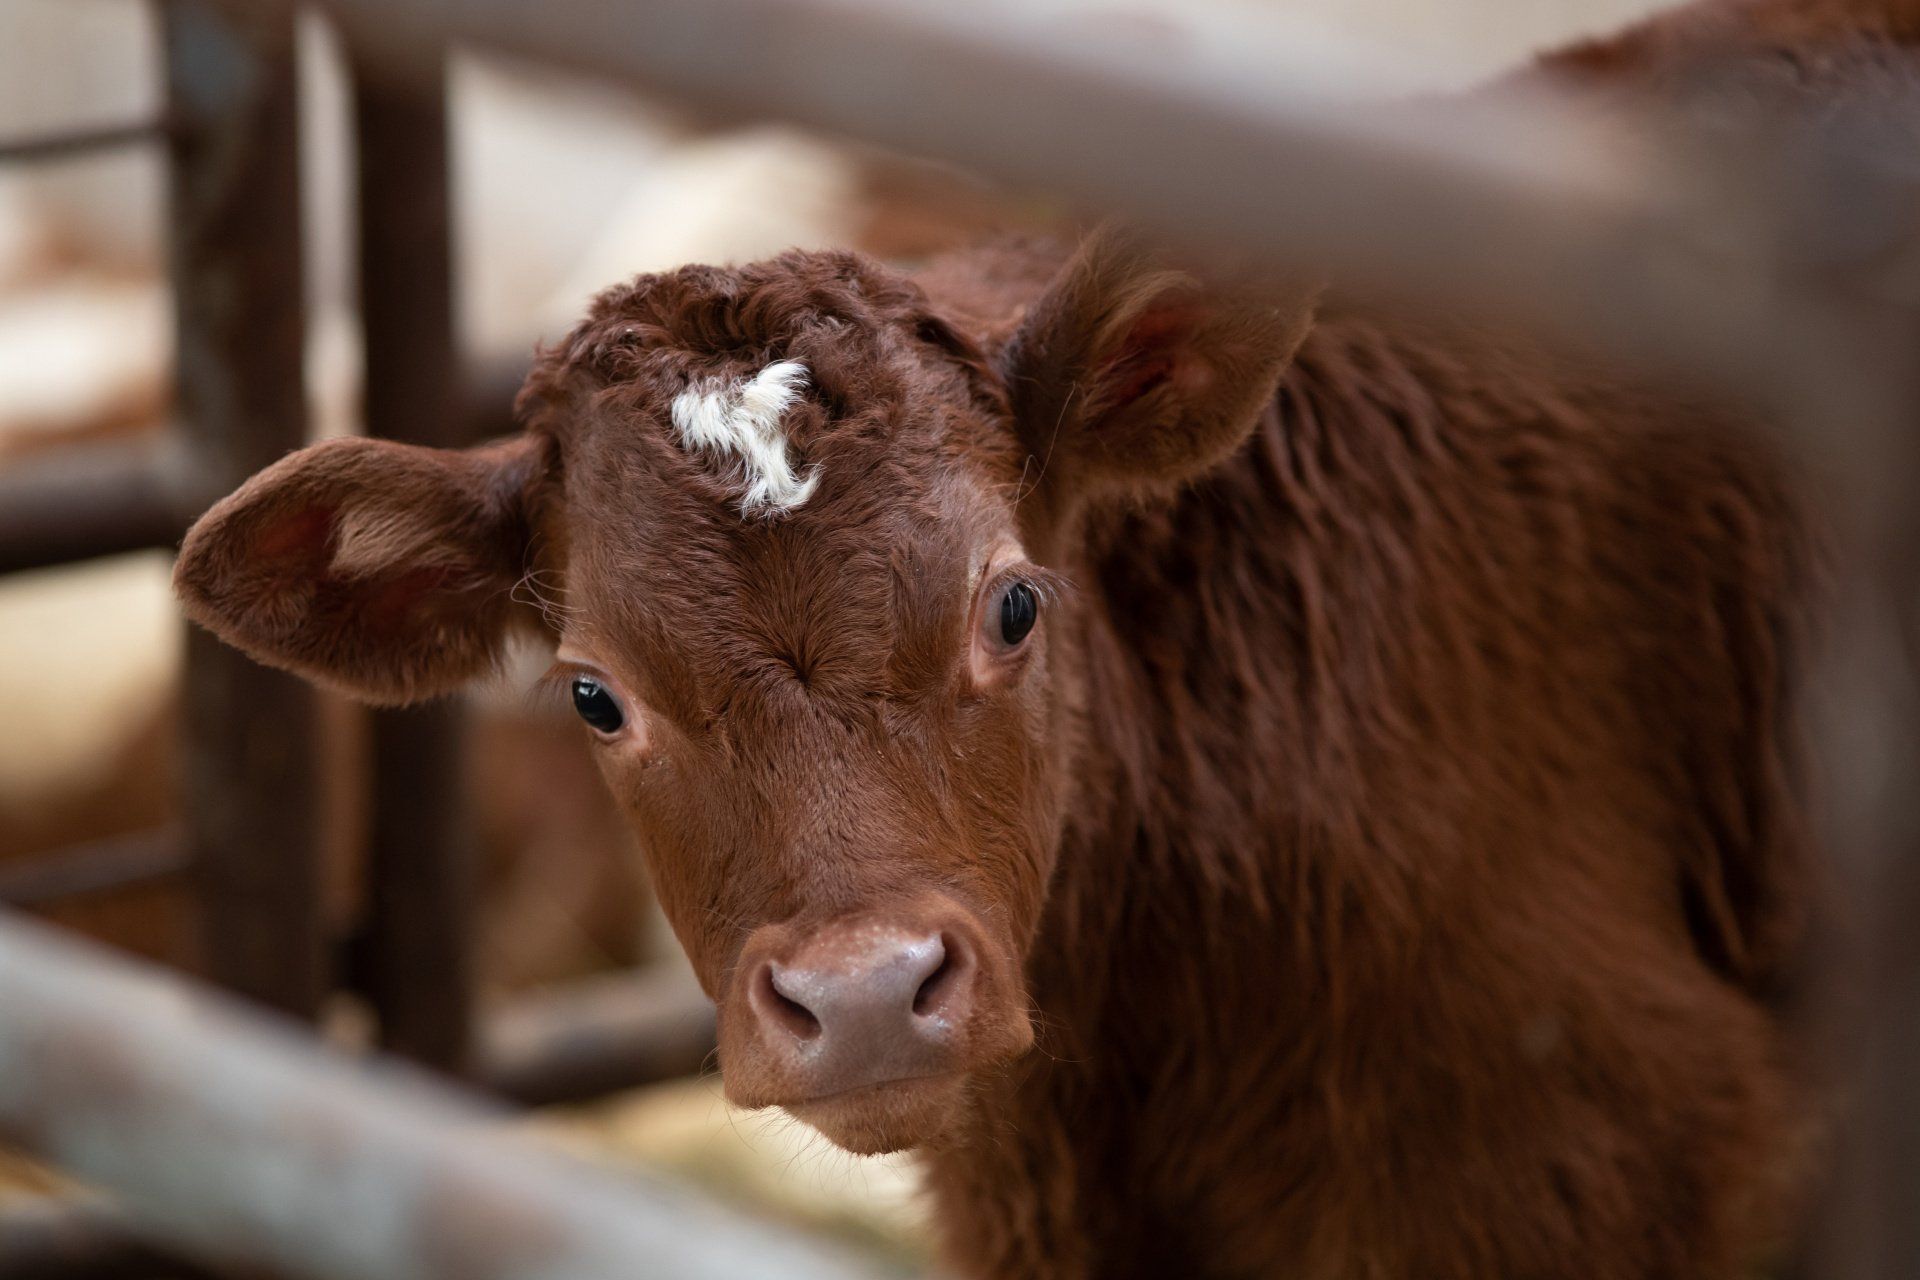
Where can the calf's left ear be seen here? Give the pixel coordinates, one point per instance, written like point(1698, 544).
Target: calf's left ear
point(1130, 376)
point(385, 570)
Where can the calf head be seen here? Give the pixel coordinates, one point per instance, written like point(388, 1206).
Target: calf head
point(796, 539)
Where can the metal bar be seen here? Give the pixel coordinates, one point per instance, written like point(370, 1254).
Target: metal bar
point(225, 1132)
point(234, 223)
point(79, 144)
point(81, 1238)
point(598, 1036)
point(1865, 1000)
point(416, 947)
point(92, 500)
point(1664, 246)
point(84, 501)
point(1655, 249)
point(97, 867)
point(418, 938)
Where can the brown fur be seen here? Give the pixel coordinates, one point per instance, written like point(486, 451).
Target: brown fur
point(1390, 835)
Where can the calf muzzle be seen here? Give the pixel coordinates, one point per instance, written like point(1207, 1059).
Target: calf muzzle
point(868, 1008)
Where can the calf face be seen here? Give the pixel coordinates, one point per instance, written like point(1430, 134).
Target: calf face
point(797, 541)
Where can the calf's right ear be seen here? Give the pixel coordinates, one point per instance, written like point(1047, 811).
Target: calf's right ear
point(386, 570)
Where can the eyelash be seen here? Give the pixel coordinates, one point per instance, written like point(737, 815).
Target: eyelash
point(1051, 587)
point(554, 689)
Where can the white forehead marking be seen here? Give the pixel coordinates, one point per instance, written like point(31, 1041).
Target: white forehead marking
point(742, 422)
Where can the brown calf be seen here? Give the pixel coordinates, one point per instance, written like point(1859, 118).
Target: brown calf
point(1246, 792)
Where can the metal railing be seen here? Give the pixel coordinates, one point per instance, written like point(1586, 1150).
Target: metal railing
point(239, 1139)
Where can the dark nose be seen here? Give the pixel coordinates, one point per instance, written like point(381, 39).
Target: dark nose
point(862, 1003)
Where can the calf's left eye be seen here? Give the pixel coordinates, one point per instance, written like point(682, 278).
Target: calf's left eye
point(596, 706)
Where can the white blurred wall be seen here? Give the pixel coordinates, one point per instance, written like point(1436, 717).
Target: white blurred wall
point(66, 63)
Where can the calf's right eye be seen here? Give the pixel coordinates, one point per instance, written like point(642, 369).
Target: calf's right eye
point(596, 706)
point(1019, 610)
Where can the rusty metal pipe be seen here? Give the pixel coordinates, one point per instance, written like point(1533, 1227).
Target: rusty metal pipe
point(82, 501)
point(226, 1132)
point(80, 143)
point(240, 379)
point(422, 867)
point(91, 500)
point(596, 1036)
point(111, 865)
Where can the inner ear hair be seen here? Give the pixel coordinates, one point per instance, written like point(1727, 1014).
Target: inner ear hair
point(382, 569)
point(1080, 324)
point(1132, 374)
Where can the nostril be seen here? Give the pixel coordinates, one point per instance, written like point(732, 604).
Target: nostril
point(946, 976)
point(801, 1019)
point(929, 993)
point(778, 1008)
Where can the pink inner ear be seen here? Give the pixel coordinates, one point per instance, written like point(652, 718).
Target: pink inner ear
point(393, 604)
point(1158, 349)
point(303, 535)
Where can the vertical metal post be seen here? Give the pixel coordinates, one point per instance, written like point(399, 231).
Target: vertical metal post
point(1869, 1227)
point(1886, 1132)
point(419, 930)
point(234, 223)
